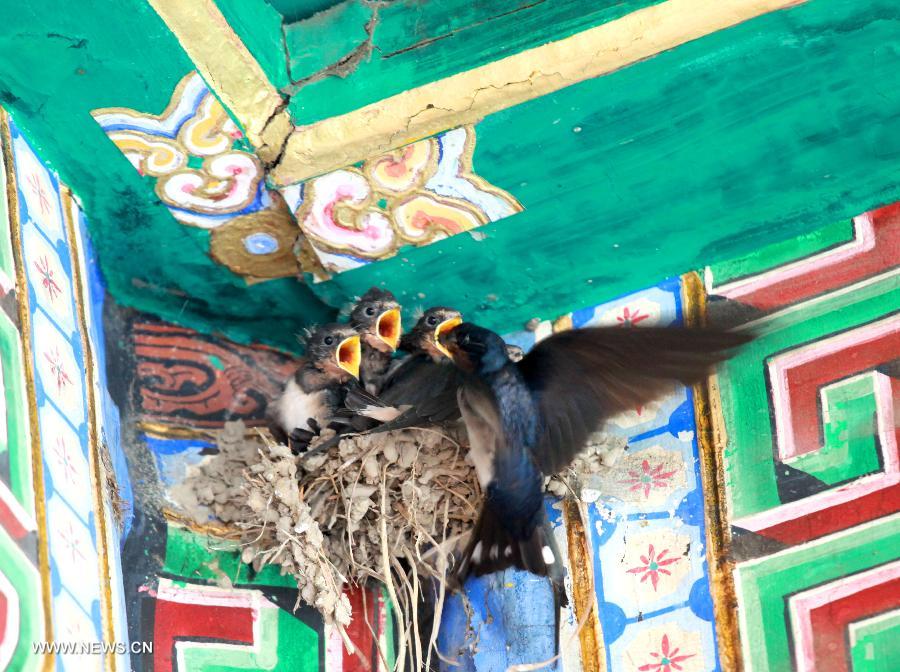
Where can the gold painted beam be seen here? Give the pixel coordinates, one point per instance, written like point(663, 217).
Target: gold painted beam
point(98, 478)
point(230, 71)
point(711, 440)
point(593, 652)
point(466, 97)
point(302, 152)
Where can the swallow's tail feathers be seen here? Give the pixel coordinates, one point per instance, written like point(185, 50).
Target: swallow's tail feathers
point(493, 548)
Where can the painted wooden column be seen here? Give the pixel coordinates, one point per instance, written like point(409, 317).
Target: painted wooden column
point(62, 480)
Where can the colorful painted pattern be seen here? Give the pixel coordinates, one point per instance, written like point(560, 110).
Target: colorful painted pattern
point(21, 604)
point(79, 572)
point(205, 174)
point(196, 156)
point(199, 605)
point(187, 379)
point(415, 195)
point(812, 484)
point(206, 608)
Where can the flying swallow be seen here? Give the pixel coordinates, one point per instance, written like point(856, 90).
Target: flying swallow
point(529, 419)
point(376, 317)
point(312, 395)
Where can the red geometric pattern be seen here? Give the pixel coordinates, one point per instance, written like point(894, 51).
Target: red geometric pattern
point(874, 249)
point(822, 615)
point(182, 620)
point(800, 378)
point(830, 622)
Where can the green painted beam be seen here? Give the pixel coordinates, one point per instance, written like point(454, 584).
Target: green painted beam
point(358, 52)
point(783, 252)
point(61, 59)
point(744, 138)
point(738, 140)
point(297, 10)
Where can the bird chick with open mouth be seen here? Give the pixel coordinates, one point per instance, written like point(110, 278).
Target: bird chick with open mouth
point(376, 317)
point(313, 394)
point(529, 419)
point(421, 387)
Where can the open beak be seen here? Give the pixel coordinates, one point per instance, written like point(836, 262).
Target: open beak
point(349, 355)
point(388, 327)
point(445, 327)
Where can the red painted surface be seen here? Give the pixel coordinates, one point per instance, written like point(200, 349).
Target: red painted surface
point(4, 620)
point(822, 278)
point(360, 630)
point(174, 621)
point(836, 518)
point(830, 623)
point(188, 379)
point(11, 523)
point(805, 381)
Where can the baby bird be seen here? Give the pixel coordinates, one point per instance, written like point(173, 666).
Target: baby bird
point(376, 317)
point(423, 338)
point(421, 387)
point(529, 419)
point(313, 394)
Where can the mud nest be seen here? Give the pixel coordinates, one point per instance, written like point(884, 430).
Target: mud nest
point(392, 507)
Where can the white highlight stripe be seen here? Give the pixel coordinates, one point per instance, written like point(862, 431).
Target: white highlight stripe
point(802, 605)
point(863, 242)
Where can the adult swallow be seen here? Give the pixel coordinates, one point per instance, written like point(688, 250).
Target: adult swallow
point(376, 317)
point(313, 394)
point(529, 419)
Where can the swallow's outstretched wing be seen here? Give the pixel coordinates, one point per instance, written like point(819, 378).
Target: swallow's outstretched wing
point(584, 376)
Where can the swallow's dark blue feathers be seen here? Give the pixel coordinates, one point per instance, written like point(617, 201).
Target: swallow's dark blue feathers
point(531, 418)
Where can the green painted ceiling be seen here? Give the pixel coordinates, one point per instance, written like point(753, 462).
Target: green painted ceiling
point(774, 128)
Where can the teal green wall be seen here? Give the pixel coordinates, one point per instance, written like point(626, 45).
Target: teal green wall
point(771, 129)
point(776, 127)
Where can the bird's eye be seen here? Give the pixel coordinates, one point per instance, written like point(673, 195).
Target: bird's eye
point(370, 311)
point(328, 340)
point(431, 321)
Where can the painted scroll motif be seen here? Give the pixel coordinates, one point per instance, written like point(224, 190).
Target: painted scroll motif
point(415, 195)
point(207, 178)
point(811, 464)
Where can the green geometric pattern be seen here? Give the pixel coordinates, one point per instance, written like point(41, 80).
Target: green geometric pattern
point(877, 645)
point(287, 644)
point(763, 585)
point(17, 445)
point(850, 449)
point(24, 577)
point(750, 461)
